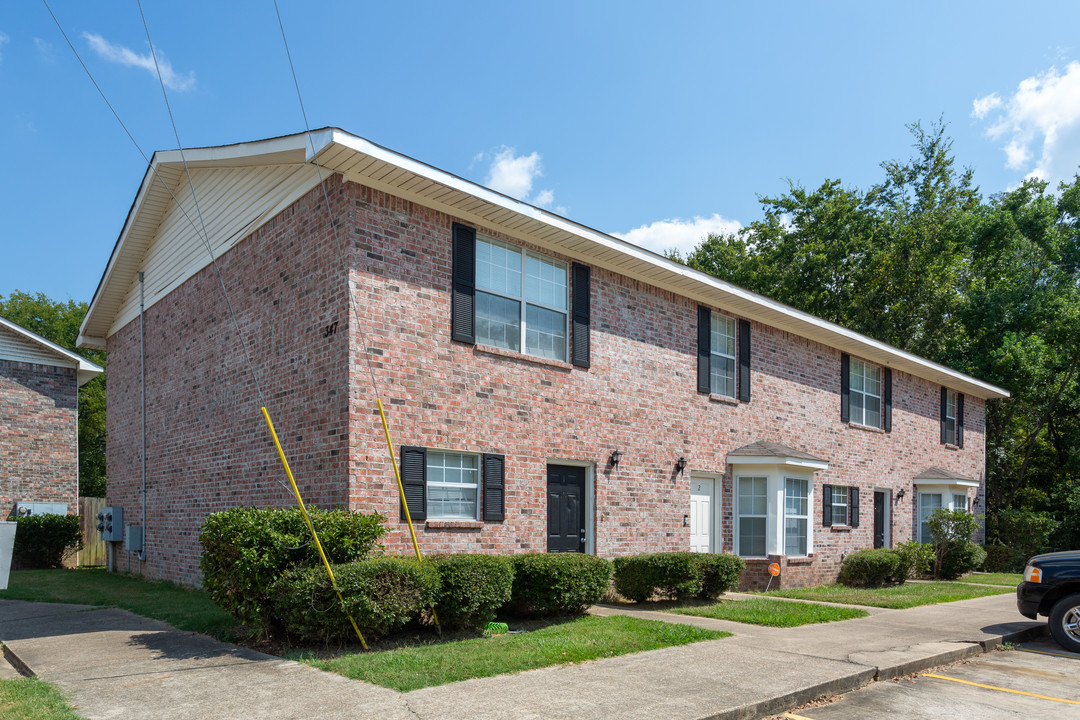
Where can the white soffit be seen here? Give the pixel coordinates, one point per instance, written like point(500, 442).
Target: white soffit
point(364, 162)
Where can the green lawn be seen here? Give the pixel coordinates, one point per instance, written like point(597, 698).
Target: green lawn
point(587, 638)
point(33, 699)
point(908, 595)
point(1010, 579)
point(181, 607)
point(774, 613)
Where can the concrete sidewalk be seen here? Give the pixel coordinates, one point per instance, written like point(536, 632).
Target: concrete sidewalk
point(113, 664)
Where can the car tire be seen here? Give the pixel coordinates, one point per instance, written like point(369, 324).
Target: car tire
point(1065, 622)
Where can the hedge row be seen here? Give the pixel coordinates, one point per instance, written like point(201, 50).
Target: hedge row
point(43, 541)
point(676, 574)
point(875, 567)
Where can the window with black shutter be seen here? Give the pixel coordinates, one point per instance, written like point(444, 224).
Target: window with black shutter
point(414, 481)
point(463, 297)
point(579, 354)
point(494, 488)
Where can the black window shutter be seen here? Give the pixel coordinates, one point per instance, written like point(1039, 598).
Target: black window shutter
point(494, 487)
point(944, 412)
point(704, 349)
point(853, 493)
point(845, 387)
point(579, 353)
point(414, 481)
point(826, 505)
point(744, 360)
point(886, 418)
point(960, 419)
point(462, 301)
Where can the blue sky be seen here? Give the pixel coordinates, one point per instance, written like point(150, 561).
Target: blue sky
point(657, 121)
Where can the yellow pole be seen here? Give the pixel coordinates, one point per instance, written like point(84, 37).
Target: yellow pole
point(307, 518)
point(401, 491)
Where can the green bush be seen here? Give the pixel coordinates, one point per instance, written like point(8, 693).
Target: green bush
point(918, 558)
point(961, 556)
point(1002, 559)
point(558, 583)
point(246, 549)
point(472, 588)
point(42, 541)
point(873, 567)
point(382, 594)
point(676, 574)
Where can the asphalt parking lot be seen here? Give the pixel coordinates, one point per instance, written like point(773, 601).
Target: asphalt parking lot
point(1036, 679)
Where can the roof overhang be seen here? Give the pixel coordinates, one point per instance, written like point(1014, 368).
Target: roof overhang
point(773, 460)
point(85, 369)
point(331, 150)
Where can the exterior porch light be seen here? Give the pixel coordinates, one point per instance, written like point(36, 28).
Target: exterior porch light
point(616, 456)
point(900, 495)
point(680, 465)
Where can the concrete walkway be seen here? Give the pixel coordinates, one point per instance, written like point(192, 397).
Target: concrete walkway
point(113, 664)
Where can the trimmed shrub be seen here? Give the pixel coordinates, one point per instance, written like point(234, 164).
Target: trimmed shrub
point(676, 574)
point(961, 556)
point(245, 550)
point(558, 583)
point(472, 588)
point(918, 558)
point(43, 541)
point(873, 567)
point(383, 595)
point(1002, 559)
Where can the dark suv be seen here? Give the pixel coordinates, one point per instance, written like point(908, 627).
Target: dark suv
point(1051, 587)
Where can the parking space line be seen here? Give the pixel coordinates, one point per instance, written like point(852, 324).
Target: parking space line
point(994, 687)
point(1044, 652)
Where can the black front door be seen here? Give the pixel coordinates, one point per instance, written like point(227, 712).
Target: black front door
point(566, 508)
point(879, 519)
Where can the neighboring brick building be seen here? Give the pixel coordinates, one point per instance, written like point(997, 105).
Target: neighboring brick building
point(39, 419)
point(515, 351)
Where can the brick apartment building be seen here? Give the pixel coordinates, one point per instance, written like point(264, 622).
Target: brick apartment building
point(548, 387)
point(39, 421)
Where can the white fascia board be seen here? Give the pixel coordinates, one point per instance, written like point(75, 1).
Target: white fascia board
point(321, 139)
point(778, 461)
point(931, 483)
point(87, 370)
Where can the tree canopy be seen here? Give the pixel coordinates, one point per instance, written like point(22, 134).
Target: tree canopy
point(59, 322)
point(988, 286)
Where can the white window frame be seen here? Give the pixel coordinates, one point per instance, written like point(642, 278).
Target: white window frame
point(960, 501)
point(717, 356)
point(434, 483)
point(924, 537)
point(739, 514)
point(846, 504)
point(805, 516)
point(950, 419)
point(523, 302)
point(858, 368)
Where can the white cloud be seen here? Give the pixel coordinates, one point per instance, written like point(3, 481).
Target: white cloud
point(1043, 111)
point(4, 40)
point(45, 49)
point(124, 56)
point(678, 234)
point(513, 175)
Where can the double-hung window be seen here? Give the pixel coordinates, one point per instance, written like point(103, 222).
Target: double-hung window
point(448, 485)
point(865, 393)
point(753, 513)
point(840, 505)
point(949, 420)
point(722, 355)
point(796, 513)
point(959, 502)
point(521, 300)
point(453, 482)
point(928, 503)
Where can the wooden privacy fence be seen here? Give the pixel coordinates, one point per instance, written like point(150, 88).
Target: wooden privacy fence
point(94, 552)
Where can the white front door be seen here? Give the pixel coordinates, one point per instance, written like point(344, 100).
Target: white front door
point(702, 490)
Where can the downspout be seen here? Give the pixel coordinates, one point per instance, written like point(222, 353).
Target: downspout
point(142, 389)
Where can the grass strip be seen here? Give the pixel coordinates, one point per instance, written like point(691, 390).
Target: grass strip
point(33, 699)
point(1009, 579)
point(773, 613)
point(580, 640)
point(897, 597)
point(183, 608)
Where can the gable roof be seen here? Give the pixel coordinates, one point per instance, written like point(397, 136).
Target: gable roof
point(942, 475)
point(361, 161)
point(19, 344)
point(765, 452)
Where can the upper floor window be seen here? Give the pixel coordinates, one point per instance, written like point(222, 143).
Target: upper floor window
point(722, 355)
point(521, 300)
point(949, 417)
point(865, 393)
point(952, 417)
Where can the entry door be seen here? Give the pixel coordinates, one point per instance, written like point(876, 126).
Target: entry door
point(880, 501)
point(566, 508)
point(701, 514)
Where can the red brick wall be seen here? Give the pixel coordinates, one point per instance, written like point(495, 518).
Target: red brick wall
point(209, 450)
point(39, 436)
